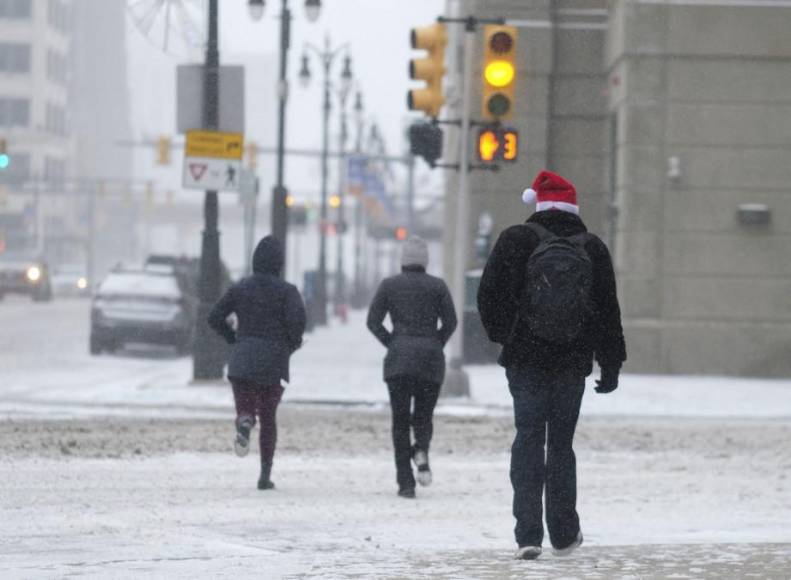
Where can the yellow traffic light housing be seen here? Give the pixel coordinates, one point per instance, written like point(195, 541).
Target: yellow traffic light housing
point(163, 150)
point(430, 69)
point(499, 72)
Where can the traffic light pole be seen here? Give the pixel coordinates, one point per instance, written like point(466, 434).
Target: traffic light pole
point(208, 355)
point(457, 375)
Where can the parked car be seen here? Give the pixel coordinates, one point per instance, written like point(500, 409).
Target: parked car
point(70, 280)
point(24, 273)
point(148, 306)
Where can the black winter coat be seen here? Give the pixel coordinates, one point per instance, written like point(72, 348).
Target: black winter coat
point(415, 301)
point(271, 320)
point(502, 285)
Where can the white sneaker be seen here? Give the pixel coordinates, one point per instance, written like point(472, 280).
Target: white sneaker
point(423, 470)
point(528, 553)
point(569, 549)
point(241, 444)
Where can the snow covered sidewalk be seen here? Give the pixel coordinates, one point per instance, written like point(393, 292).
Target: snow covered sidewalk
point(164, 498)
point(46, 372)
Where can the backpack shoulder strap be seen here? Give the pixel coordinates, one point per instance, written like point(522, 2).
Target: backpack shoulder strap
point(543, 233)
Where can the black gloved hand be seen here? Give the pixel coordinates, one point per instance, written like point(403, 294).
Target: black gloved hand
point(609, 380)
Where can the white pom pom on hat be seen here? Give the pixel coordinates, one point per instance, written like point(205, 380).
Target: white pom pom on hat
point(529, 195)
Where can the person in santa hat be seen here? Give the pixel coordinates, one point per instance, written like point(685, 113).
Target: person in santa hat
point(548, 296)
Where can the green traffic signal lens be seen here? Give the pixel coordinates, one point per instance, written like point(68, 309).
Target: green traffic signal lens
point(5, 161)
point(498, 105)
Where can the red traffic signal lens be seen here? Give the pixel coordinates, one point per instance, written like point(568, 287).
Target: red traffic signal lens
point(501, 42)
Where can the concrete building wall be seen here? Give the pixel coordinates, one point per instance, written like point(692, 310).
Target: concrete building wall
point(560, 111)
point(703, 90)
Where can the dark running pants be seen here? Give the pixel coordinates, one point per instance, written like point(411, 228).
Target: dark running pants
point(546, 409)
point(251, 400)
point(403, 390)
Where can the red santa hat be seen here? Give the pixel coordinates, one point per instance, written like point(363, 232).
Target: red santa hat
point(551, 191)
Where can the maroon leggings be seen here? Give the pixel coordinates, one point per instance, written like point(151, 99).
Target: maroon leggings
point(251, 400)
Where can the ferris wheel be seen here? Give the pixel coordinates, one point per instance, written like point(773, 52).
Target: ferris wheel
point(175, 27)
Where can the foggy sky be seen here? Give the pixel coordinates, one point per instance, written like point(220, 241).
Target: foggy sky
point(378, 31)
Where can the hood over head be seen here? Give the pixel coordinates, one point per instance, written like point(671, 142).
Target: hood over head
point(268, 256)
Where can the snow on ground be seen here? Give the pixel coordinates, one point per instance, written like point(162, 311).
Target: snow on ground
point(55, 377)
point(119, 467)
point(659, 498)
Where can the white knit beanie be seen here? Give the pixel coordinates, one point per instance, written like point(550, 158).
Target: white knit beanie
point(414, 252)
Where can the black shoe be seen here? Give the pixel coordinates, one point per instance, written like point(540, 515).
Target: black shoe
point(407, 492)
point(241, 445)
point(264, 482)
point(420, 458)
point(570, 548)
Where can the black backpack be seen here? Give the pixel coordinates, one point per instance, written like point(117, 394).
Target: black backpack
point(556, 303)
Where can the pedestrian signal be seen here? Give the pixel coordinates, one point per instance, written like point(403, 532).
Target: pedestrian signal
point(498, 144)
point(430, 69)
point(499, 72)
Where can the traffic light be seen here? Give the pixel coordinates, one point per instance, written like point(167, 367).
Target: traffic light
point(425, 140)
point(251, 150)
point(401, 233)
point(499, 72)
point(335, 201)
point(431, 69)
point(498, 144)
point(163, 150)
point(5, 159)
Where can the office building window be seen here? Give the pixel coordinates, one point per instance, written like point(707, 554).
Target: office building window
point(54, 169)
point(14, 58)
point(18, 170)
point(57, 68)
point(14, 112)
point(58, 15)
point(55, 119)
point(15, 9)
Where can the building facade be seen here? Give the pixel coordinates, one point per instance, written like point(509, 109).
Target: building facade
point(672, 119)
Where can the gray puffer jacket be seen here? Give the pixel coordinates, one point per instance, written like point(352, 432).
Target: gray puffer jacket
point(416, 302)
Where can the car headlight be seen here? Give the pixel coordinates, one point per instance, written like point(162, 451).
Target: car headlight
point(34, 273)
point(82, 283)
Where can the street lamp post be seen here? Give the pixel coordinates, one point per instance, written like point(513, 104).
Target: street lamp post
point(327, 57)
point(358, 209)
point(208, 359)
point(340, 281)
point(279, 213)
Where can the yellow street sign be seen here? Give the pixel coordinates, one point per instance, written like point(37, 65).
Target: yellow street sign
point(214, 145)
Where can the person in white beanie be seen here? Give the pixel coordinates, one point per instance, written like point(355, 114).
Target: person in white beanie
point(423, 319)
point(548, 296)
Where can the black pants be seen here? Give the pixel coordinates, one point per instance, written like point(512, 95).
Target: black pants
point(402, 391)
point(546, 409)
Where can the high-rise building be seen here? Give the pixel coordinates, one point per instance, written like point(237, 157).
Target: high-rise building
point(35, 40)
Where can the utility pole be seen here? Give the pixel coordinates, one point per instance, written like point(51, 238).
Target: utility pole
point(208, 354)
